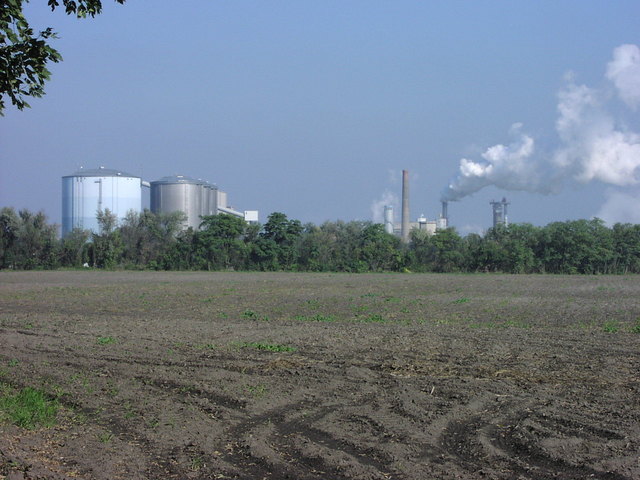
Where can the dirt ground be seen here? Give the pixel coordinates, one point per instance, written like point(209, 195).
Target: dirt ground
point(323, 376)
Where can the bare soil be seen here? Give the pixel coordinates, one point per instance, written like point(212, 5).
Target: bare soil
point(323, 376)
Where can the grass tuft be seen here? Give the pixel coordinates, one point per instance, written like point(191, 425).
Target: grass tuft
point(29, 408)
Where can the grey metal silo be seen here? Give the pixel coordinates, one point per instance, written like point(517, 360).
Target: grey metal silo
point(179, 193)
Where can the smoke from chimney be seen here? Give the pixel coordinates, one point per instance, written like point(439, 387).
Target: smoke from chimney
point(387, 198)
point(593, 145)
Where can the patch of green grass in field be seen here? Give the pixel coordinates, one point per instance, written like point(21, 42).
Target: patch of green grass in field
point(257, 391)
point(374, 318)
point(197, 463)
point(610, 326)
point(29, 408)
point(313, 304)
point(515, 324)
point(270, 347)
point(636, 328)
point(129, 411)
point(393, 299)
point(105, 340)
point(105, 437)
point(360, 308)
point(250, 314)
point(460, 300)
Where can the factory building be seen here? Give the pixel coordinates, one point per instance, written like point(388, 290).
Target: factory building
point(405, 226)
point(87, 191)
point(500, 212)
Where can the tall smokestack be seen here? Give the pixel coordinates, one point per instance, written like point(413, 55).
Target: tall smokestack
point(443, 221)
point(504, 211)
point(405, 205)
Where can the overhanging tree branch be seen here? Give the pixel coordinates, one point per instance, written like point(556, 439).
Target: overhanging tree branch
point(24, 54)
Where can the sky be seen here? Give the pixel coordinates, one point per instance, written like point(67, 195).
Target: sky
point(314, 109)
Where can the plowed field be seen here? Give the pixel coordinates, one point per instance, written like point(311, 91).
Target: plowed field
point(327, 376)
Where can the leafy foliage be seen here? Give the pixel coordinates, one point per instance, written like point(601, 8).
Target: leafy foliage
point(158, 241)
point(25, 54)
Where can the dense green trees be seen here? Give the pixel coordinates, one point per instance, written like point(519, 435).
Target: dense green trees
point(26, 240)
point(224, 242)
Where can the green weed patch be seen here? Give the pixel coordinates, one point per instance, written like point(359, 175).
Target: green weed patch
point(29, 408)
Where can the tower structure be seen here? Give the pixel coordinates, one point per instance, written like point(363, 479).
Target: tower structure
point(500, 212)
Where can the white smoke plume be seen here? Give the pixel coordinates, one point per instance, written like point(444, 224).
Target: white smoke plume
point(593, 146)
point(377, 206)
point(510, 167)
point(624, 72)
point(593, 149)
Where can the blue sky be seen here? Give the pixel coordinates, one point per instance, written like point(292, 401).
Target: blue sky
point(314, 108)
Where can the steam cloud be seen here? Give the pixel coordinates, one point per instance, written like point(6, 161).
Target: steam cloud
point(593, 146)
point(377, 207)
point(624, 72)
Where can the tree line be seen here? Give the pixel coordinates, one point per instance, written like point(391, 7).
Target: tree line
point(158, 241)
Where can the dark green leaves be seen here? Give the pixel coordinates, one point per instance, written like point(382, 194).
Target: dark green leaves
point(24, 54)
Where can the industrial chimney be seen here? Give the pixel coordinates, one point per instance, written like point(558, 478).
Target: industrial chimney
point(405, 206)
point(443, 221)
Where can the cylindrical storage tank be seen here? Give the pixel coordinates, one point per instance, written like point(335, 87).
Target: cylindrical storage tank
point(204, 196)
point(213, 199)
point(178, 193)
point(87, 191)
point(388, 218)
point(221, 199)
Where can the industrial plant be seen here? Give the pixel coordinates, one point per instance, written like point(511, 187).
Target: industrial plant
point(88, 191)
point(402, 229)
point(500, 212)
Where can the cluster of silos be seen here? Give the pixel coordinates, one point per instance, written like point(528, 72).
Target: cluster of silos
point(88, 191)
point(196, 198)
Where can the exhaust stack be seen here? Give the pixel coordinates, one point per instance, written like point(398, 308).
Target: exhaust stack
point(443, 221)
